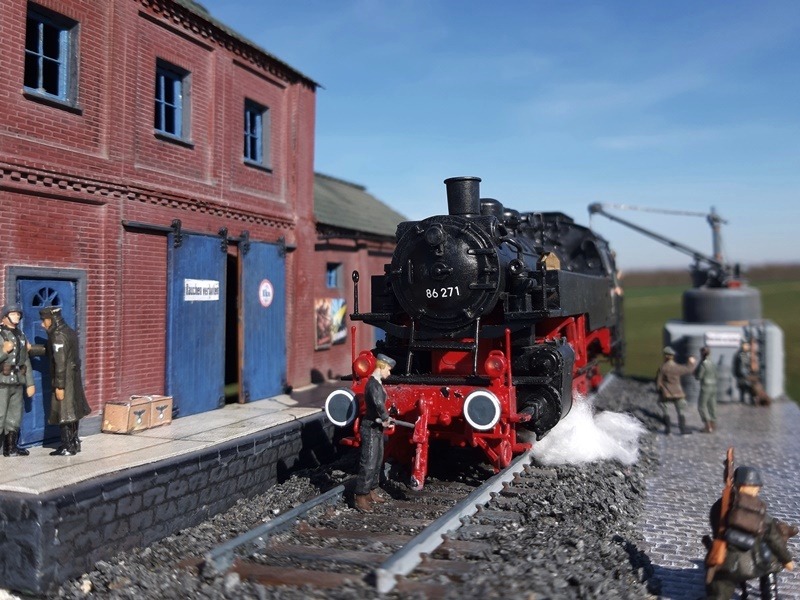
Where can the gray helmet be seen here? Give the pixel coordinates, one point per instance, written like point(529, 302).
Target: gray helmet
point(747, 476)
point(9, 308)
point(668, 351)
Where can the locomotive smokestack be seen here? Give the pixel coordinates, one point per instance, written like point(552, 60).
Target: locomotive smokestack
point(463, 195)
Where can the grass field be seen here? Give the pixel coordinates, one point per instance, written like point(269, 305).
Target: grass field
point(648, 308)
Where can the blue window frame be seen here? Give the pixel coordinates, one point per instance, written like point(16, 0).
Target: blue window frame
point(333, 275)
point(171, 92)
point(50, 41)
point(256, 134)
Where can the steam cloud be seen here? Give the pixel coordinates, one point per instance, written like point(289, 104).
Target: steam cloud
point(582, 436)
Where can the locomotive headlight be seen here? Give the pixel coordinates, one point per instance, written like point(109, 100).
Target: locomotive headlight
point(341, 407)
point(434, 235)
point(495, 364)
point(364, 365)
point(482, 409)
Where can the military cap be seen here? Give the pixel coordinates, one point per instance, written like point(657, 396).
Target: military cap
point(49, 311)
point(669, 351)
point(385, 359)
point(9, 308)
point(747, 476)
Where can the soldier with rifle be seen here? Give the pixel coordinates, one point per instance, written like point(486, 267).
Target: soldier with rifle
point(747, 542)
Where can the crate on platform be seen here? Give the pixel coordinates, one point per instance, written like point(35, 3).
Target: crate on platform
point(160, 409)
point(138, 413)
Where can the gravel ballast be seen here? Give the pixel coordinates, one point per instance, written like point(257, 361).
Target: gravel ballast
point(578, 536)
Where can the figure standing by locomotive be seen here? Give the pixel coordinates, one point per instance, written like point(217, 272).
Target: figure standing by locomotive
point(375, 419)
point(755, 544)
point(706, 374)
point(16, 376)
point(68, 404)
point(670, 391)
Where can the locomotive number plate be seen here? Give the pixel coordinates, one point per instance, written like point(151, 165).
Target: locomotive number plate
point(443, 292)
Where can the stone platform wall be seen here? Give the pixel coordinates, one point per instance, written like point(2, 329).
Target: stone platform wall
point(46, 539)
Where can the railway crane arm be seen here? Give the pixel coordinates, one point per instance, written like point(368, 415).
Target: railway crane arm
point(718, 273)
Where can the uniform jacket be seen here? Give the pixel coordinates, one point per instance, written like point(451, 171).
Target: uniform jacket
point(742, 366)
point(706, 373)
point(17, 361)
point(668, 379)
point(375, 400)
point(768, 555)
point(65, 372)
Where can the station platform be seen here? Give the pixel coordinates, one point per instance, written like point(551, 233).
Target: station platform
point(104, 453)
point(61, 514)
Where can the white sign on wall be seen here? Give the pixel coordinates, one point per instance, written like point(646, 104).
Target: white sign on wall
point(723, 339)
point(200, 290)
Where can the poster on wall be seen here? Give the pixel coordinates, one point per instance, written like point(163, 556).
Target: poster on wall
point(338, 320)
point(322, 315)
point(330, 316)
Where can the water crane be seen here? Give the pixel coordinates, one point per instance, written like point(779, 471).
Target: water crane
point(709, 271)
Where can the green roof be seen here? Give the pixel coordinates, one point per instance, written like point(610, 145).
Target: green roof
point(347, 205)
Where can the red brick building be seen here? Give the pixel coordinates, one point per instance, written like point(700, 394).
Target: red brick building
point(355, 232)
point(156, 181)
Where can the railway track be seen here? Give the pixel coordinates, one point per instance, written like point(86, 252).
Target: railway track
point(413, 544)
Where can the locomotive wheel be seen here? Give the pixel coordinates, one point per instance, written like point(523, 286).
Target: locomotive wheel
point(504, 454)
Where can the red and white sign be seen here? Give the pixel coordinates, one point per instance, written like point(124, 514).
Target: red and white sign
point(265, 293)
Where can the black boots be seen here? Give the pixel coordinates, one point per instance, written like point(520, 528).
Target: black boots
point(682, 424)
point(666, 426)
point(769, 586)
point(70, 442)
point(10, 447)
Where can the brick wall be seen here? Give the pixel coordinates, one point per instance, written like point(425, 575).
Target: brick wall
point(69, 175)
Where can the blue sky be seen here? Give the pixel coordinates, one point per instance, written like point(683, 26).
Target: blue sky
point(556, 104)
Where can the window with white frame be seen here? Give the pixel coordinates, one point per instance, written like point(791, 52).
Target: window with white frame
point(256, 134)
point(334, 275)
point(50, 49)
point(171, 106)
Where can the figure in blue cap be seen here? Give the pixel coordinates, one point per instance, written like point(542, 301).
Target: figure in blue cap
point(16, 376)
point(375, 419)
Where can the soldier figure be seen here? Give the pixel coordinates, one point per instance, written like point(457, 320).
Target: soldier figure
point(68, 403)
point(668, 383)
point(706, 373)
point(375, 419)
point(16, 374)
point(743, 369)
point(756, 544)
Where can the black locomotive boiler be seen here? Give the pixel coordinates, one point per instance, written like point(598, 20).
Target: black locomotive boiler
point(498, 321)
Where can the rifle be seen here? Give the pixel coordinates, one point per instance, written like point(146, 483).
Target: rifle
point(719, 547)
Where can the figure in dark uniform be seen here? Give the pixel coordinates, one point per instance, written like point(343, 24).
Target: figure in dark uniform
point(68, 403)
point(743, 369)
point(16, 376)
point(375, 419)
point(670, 391)
point(756, 543)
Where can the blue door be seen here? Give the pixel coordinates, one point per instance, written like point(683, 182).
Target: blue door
point(35, 294)
point(263, 321)
point(196, 323)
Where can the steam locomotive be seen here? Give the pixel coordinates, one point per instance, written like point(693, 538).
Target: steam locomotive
point(497, 320)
